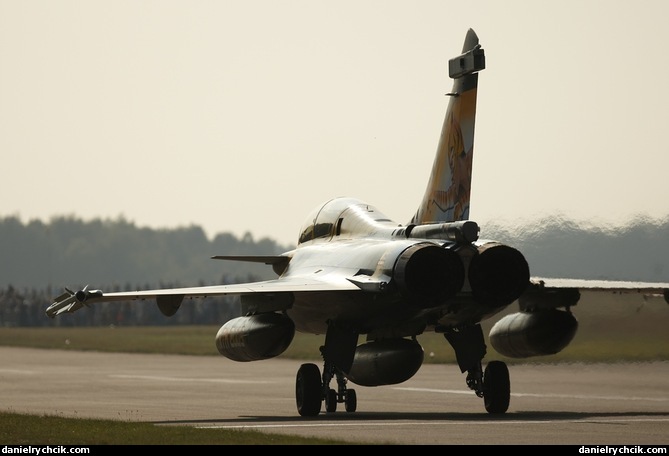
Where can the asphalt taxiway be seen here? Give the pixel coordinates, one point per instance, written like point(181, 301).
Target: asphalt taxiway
point(564, 404)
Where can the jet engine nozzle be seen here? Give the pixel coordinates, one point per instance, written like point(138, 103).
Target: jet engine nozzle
point(498, 275)
point(427, 274)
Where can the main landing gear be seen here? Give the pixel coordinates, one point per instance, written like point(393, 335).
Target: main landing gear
point(493, 384)
point(311, 390)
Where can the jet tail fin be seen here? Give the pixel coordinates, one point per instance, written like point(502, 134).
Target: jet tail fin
point(447, 195)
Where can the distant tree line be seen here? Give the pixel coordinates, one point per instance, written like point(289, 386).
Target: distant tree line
point(39, 259)
point(70, 252)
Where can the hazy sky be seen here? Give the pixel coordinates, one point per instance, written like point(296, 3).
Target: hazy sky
point(245, 115)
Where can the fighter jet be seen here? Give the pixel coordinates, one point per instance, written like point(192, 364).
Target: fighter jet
point(370, 286)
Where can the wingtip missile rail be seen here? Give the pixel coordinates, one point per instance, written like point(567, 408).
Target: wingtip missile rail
point(71, 301)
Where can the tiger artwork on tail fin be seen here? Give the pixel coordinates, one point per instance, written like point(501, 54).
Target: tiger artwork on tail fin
point(447, 196)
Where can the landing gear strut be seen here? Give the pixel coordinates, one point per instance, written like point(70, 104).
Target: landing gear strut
point(342, 394)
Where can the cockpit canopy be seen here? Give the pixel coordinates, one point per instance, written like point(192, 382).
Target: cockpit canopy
point(343, 216)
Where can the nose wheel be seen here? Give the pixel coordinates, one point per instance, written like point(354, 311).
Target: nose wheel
point(348, 397)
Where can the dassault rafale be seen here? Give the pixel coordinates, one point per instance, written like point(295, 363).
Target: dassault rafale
point(370, 285)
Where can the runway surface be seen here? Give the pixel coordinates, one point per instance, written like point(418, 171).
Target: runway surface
point(577, 404)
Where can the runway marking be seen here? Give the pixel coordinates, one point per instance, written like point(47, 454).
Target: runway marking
point(191, 380)
point(545, 395)
point(17, 371)
point(433, 423)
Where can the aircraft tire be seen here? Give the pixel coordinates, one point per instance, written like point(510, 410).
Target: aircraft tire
point(496, 387)
point(308, 390)
point(351, 402)
point(331, 401)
